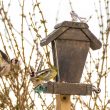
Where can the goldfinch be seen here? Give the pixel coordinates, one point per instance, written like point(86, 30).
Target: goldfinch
point(15, 65)
point(6, 65)
point(44, 75)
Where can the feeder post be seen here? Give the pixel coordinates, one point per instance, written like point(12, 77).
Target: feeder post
point(63, 102)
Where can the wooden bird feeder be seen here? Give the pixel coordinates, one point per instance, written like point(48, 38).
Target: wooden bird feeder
point(70, 45)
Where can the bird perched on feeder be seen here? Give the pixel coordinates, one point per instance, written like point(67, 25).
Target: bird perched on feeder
point(75, 17)
point(6, 65)
point(44, 75)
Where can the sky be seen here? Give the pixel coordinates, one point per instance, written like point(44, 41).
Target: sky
point(61, 9)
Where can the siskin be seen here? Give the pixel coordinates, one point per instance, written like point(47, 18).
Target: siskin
point(6, 65)
point(44, 75)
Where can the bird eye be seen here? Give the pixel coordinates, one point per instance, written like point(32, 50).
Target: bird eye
point(16, 61)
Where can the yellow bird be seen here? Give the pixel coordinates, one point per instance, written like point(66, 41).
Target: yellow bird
point(44, 75)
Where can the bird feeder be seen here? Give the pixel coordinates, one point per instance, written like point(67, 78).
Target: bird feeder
point(70, 45)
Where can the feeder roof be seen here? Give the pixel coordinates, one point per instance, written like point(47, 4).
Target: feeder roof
point(68, 29)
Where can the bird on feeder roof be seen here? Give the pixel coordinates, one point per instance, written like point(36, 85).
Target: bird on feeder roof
point(75, 17)
point(65, 27)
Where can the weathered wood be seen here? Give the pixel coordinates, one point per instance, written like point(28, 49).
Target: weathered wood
point(52, 36)
point(68, 25)
point(74, 34)
point(63, 102)
point(71, 42)
point(54, 57)
point(68, 88)
point(71, 57)
point(94, 42)
point(71, 24)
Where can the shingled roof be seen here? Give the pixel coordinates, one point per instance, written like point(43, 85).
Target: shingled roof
point(68, 25)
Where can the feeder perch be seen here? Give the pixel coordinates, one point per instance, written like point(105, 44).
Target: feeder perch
point(68, 88)
point(70, 45)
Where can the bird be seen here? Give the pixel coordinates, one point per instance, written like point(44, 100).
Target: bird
point(7, 65)
point(75, 17)
point(15, 65)
point(44, 75)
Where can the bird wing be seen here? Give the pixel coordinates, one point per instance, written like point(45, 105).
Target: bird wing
point(5, 70)
point(42, 72)
point(4, 56)
point(48, 75)
point(1, 68)
point(36, 81)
